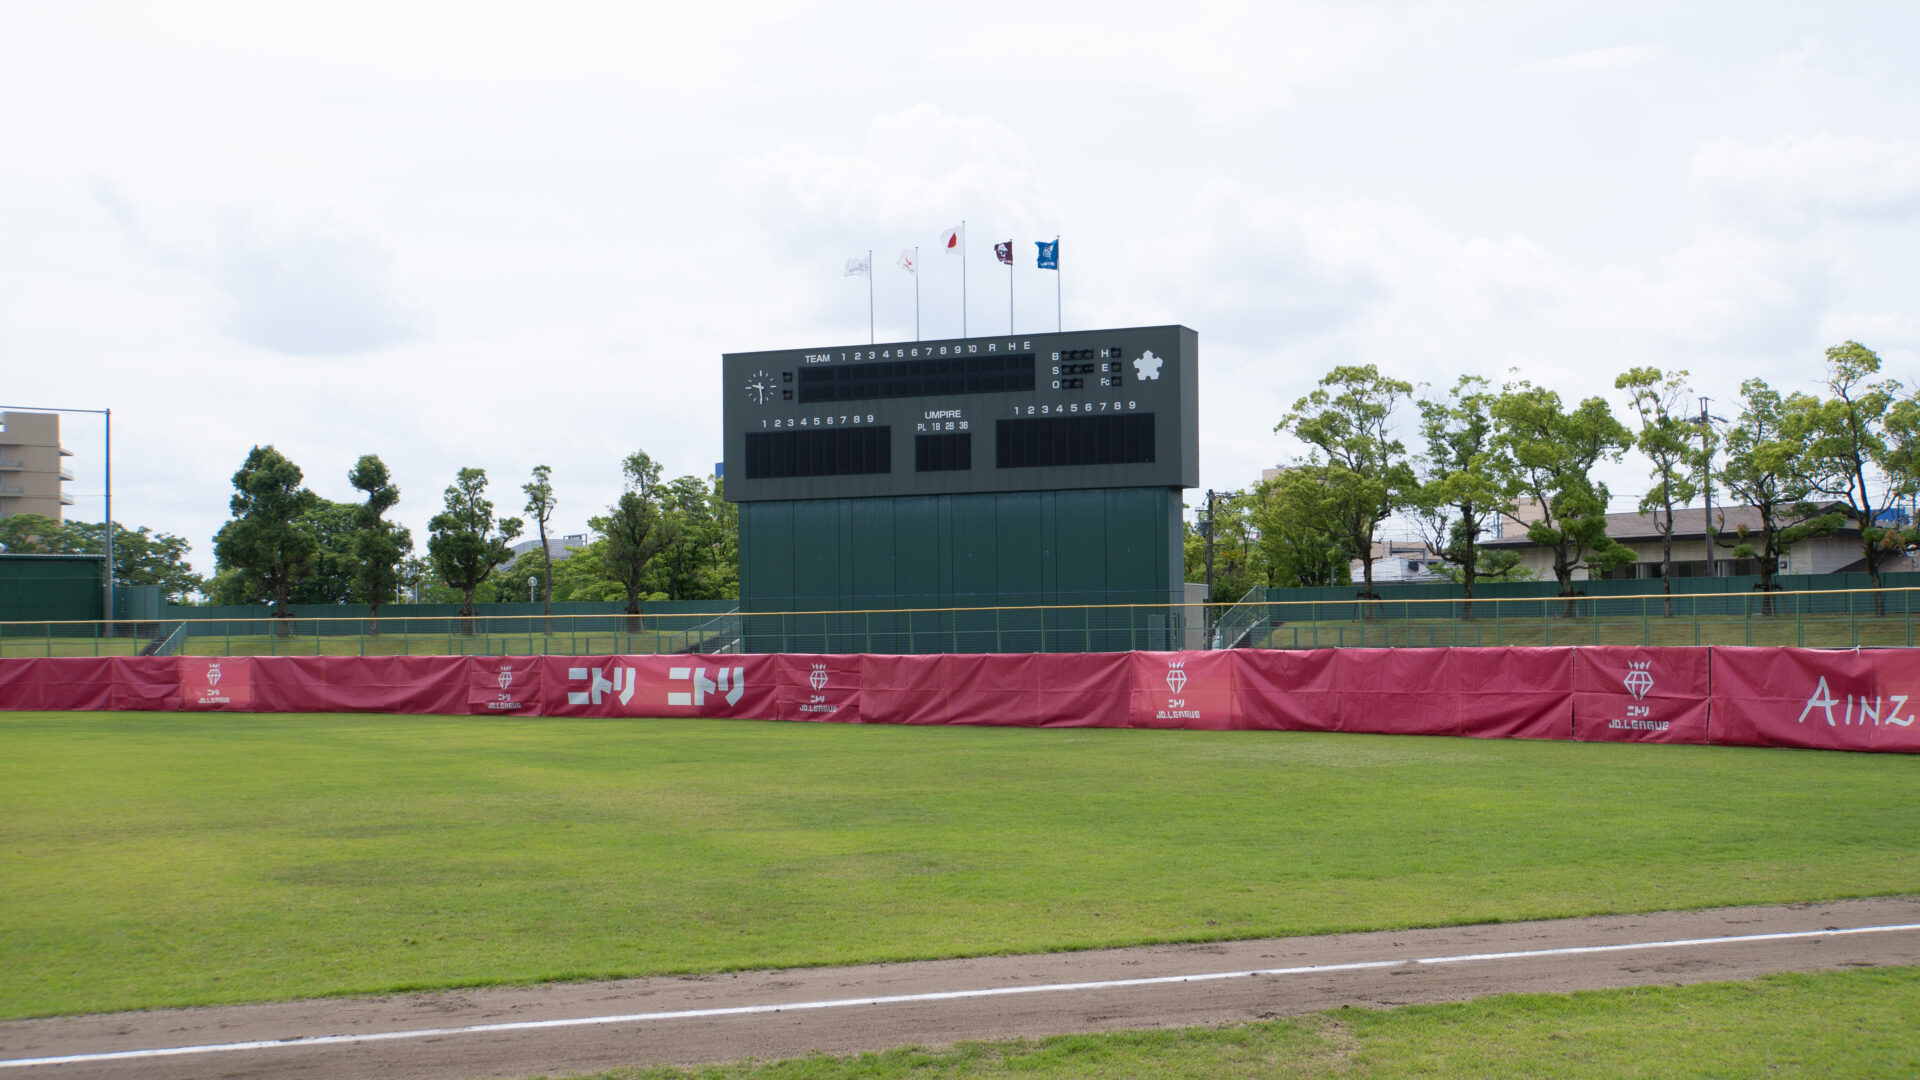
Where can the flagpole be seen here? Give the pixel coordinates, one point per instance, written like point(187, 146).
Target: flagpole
point(869, 296)
point(1058, 321)
point(916, 292)
point(1009, 288)
point(963, 277)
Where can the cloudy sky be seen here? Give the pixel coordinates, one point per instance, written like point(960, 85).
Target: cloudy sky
point(504, 235)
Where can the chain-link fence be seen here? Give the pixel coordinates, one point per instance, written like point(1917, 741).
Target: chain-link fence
point(1809, 618)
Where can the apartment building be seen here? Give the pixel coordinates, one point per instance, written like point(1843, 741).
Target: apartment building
point(32, 465)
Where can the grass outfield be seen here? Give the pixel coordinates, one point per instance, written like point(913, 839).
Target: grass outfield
point(155, 859)
point(1845, 1024)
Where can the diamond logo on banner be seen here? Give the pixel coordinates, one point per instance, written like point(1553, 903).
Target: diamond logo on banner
point(1176, 677)
point(817, 678)
point(506, 676)
point(1638, 680)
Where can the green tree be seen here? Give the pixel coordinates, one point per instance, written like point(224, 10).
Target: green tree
point(1763, 470)
point(723, 544)
point(540, 504)
point(584, 575)
point(1495, 566)
point(465, 544)
point(702, 560)
point(1238, 563)
point(1553, 453)
point(635, 528)
point(1296, 542)
point(420, 585)
point(1464, 486)
point(379, 546)
point(333, 527)
point(33, 534)
point(140, 556)
point(512, 582)
point(1361, 466)
point(1666, 438)
point(1859, 446)
point(265, 547)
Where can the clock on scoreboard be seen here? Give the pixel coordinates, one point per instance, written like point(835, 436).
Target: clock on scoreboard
point(1017, 412)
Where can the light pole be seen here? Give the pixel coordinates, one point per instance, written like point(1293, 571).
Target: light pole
point(533, 590)
point(107, 472)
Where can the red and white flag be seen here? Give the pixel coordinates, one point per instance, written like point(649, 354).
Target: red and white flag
point(951, 240)
point(909, 261)
point(1004, 252)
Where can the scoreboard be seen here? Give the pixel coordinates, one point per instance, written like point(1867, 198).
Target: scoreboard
point(1020, 412)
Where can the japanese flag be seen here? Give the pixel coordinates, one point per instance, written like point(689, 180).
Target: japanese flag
point(951, 241)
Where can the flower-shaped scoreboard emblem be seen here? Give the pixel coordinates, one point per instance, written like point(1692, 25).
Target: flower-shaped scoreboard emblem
point(1176, 675)
point(1638, 680)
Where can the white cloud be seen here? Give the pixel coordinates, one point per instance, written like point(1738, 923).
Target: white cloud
point(1284, 290)
point(311, 281)
point(1878, 330)
point(1792, 181)
point(1611, 58)
point(917, 169)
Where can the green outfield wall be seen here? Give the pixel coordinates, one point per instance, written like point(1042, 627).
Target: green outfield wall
point(52, 587)
point(882, 558)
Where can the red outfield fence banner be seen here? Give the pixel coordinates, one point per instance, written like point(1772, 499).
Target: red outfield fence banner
point(1625, 694)
point(1810, 698)
point(1817, 699)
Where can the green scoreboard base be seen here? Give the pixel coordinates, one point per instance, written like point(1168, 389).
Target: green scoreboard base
point(1108, 561)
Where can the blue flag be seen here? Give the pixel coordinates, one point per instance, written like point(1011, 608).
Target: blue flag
point(1049, 253)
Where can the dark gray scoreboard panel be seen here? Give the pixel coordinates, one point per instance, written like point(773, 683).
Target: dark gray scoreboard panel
point(1026, 412)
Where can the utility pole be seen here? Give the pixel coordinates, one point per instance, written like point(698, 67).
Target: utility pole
point(1706, 483)
point(1206, 621)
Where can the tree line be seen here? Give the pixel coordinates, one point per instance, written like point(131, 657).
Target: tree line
point(140, 556)
point(1809, 463)
point(287, 545)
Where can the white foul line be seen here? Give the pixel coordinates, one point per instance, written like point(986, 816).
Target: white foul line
point(903, 999)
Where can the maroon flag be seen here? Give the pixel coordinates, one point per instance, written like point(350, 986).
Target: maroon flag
point(1004, 252)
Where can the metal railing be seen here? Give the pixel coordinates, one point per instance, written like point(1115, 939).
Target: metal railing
point(1236, 624)
point(1820, 619)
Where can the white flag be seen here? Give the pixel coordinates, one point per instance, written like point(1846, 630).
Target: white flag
point(951, 240)
point(907, 263)
point(860, 266)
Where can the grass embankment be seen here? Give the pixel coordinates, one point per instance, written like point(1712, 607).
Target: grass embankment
point(168, 859)
point(1847, 1024)
point(1818, 631)
point(387, 644)
point(1822, 631)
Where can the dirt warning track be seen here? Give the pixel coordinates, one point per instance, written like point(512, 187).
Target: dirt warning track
point(770, 1014)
